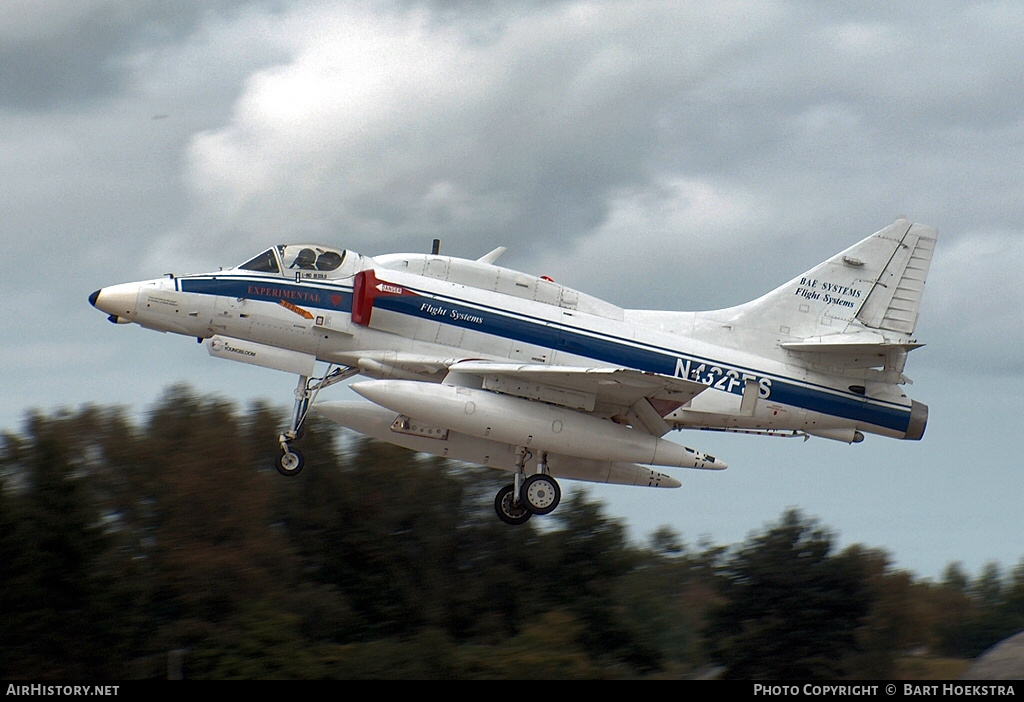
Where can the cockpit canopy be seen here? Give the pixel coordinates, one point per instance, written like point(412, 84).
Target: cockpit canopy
point(321, 261)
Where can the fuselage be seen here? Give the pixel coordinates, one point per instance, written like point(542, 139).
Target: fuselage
point(397, 316)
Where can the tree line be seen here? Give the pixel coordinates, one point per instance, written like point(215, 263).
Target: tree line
point(126, 544)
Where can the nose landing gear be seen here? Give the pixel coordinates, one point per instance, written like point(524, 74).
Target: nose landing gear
point(290, 460)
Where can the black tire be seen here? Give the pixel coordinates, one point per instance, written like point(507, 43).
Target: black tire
point(541, 494)
point(289, 462)
point(508, 511)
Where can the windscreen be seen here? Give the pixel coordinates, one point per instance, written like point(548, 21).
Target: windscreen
point(266, 262)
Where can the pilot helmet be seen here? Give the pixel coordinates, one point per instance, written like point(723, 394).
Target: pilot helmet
point(305, 259)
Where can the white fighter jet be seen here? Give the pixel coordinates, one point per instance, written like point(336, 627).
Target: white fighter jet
point(475, 362)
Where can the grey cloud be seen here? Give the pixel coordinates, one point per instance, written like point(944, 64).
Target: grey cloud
point(797, 99)
point(546, 126)
point(80, 55)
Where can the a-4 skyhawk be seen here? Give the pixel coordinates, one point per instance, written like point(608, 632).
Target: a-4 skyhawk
point(488, 365)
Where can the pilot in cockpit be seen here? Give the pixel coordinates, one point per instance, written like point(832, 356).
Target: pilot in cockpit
point(328, 261)
point(305, 260)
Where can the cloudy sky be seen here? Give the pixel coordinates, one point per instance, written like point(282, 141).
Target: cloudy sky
point(674, 155)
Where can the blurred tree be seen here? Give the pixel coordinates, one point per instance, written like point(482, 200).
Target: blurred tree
point(120, 542)
point(792, 609)
point(984, 612)
point(16, 572)
point(63, 581)
point(899, 620)
point(205, 495)
point(987, 590)
point(955, 578)
point(666, 599)
point(666, 541)
point(411, 542)
point(584, 562)
point(1014, 599)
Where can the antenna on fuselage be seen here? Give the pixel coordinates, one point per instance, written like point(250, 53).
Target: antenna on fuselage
point(436, 248)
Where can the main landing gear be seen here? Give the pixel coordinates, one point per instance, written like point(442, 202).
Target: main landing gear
point(536, 494)
point(290, 460)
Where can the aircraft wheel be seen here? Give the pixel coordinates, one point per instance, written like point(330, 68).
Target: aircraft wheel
point(508, 511)
point(289, 462)
point(541, 494)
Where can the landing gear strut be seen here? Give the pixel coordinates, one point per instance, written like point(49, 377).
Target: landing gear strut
point(537, 494)
point(290, 460)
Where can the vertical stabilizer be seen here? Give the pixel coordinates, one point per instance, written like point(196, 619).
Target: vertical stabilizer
point(877, 283)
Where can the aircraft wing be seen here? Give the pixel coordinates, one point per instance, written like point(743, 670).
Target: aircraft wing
point(640, 398)
point(629, 396)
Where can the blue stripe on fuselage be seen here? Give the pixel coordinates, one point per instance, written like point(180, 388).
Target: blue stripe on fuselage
point(271, 290)
point(615, 351)
point(539, 332)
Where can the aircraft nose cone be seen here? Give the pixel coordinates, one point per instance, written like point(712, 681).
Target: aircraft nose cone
point(117, 300)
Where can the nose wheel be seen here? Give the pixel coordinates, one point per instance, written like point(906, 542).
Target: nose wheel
point(289, 461)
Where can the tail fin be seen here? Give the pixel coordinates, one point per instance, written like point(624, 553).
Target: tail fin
point(876, 284)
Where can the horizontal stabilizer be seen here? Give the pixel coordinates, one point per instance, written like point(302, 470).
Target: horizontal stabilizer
point(852, 354)
point(850, 344)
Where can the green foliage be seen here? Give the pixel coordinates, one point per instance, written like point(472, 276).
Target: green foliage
point(981, 612)
point(122, 542)
point(792, 607)
point(62, 590)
